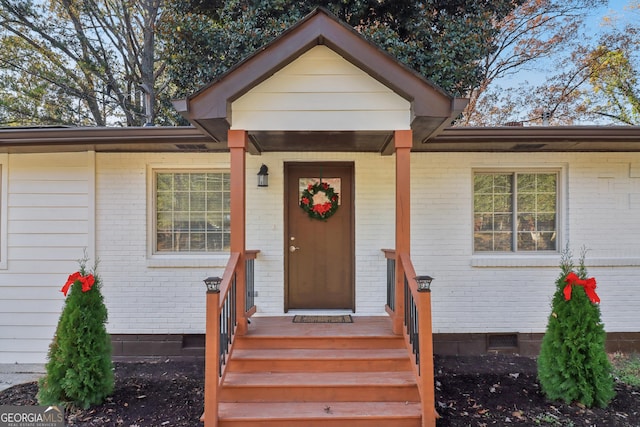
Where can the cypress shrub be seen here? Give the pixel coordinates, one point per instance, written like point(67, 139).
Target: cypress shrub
point(79, 371)
point(573, 365)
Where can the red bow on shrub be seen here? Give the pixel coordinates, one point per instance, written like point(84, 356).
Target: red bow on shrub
point(87, 282)
point(588, 284)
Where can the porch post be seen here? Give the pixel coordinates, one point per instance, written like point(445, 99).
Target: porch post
point(403, 143)
point(237, 141)
point(427, 380)
point(212, 361)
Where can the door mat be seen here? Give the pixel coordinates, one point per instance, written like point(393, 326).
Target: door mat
point(322, 319)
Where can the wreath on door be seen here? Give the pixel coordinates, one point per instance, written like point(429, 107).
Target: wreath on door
point(319, 200)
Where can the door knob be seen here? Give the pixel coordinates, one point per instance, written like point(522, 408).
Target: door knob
point(293, 248)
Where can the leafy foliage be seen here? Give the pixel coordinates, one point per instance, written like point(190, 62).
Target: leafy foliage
point(72, 62)
point(573, 364)
point(442, 40)
point(79, 367)
point(590, 80)
point(531, 34)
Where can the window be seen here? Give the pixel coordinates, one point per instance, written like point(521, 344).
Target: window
point(191, 212)
point(515, 211)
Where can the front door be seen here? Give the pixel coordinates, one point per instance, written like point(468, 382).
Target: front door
point(319, 253)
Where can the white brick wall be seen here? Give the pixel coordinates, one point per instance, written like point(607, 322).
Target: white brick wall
point(513, 293)
point(50, 209)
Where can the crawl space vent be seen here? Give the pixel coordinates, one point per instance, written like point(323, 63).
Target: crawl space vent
point(501, 341)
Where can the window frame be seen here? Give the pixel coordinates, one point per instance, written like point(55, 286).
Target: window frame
point(172, 258)
point(560, 171)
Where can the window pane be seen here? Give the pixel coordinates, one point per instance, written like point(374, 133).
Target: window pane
point(503, 222)
point(165, 181)
point(493, 207)
point(191, 208)
point(181, 201)
point(483, 183)
point(547, 182)
point(502, 183)
point(181, 182)
point(526, 183)
point(483, 241)
point(546, 202)
point(526, 202)
point(197, 201)
point(537, 195)
point(503, 242)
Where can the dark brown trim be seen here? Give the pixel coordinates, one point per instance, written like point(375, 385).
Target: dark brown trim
point(107, 139)
point(535, 139)
point(185, 139)
point(210, 107)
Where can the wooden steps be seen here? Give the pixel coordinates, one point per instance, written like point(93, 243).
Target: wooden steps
point(316, 378)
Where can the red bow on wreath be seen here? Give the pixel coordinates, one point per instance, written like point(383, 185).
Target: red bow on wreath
point(588, 284)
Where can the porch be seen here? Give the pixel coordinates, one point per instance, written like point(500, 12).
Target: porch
point(270, 371)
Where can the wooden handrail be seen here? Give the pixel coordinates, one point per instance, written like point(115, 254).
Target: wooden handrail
point(222, 320)
point(227, 277)
point(423, 369)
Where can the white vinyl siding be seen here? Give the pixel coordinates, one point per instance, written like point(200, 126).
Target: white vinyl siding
point(49, 224)
point(321, 91)
point(4, 186)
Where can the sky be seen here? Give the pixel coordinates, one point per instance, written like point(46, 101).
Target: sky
point(615, 12)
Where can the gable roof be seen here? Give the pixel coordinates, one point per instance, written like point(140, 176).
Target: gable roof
point(210, 108)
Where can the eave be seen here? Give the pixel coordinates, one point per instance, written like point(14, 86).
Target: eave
point(535, 139)
point(209, 109)
point(186, 139)
point(104, 139)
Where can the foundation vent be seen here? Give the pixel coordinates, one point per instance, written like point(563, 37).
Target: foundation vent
point(497, 342)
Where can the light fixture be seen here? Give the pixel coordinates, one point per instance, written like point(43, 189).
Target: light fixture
point(213, 284)
point(263, 176)
point(424, 283)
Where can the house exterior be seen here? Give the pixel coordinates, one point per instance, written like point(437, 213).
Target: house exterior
point(490, 209)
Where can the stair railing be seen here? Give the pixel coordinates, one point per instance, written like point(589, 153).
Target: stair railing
point(417, 327)
point(221, 328)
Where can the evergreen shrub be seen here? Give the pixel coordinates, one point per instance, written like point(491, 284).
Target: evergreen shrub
point(573, 365)
point(79, 371)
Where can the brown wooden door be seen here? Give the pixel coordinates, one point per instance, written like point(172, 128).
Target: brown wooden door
point(319, 254)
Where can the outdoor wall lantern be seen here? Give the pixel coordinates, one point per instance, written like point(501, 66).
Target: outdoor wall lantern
point(213, 284)
point(263, 176)
point(424, 283)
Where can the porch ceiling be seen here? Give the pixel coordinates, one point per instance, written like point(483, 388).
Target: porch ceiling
point(210, 108)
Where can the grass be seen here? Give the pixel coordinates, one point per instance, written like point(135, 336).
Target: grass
point(626, 367)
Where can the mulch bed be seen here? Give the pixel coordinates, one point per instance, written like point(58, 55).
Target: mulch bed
point(494, 390)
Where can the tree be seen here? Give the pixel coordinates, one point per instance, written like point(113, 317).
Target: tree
point(573, 365)
point(594, 82)
point(536, 30)
point(445, 41)
point(80, 62)
point(79, 368)
point(613, 74)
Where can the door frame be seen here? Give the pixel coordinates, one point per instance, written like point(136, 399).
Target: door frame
point(350, 165)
